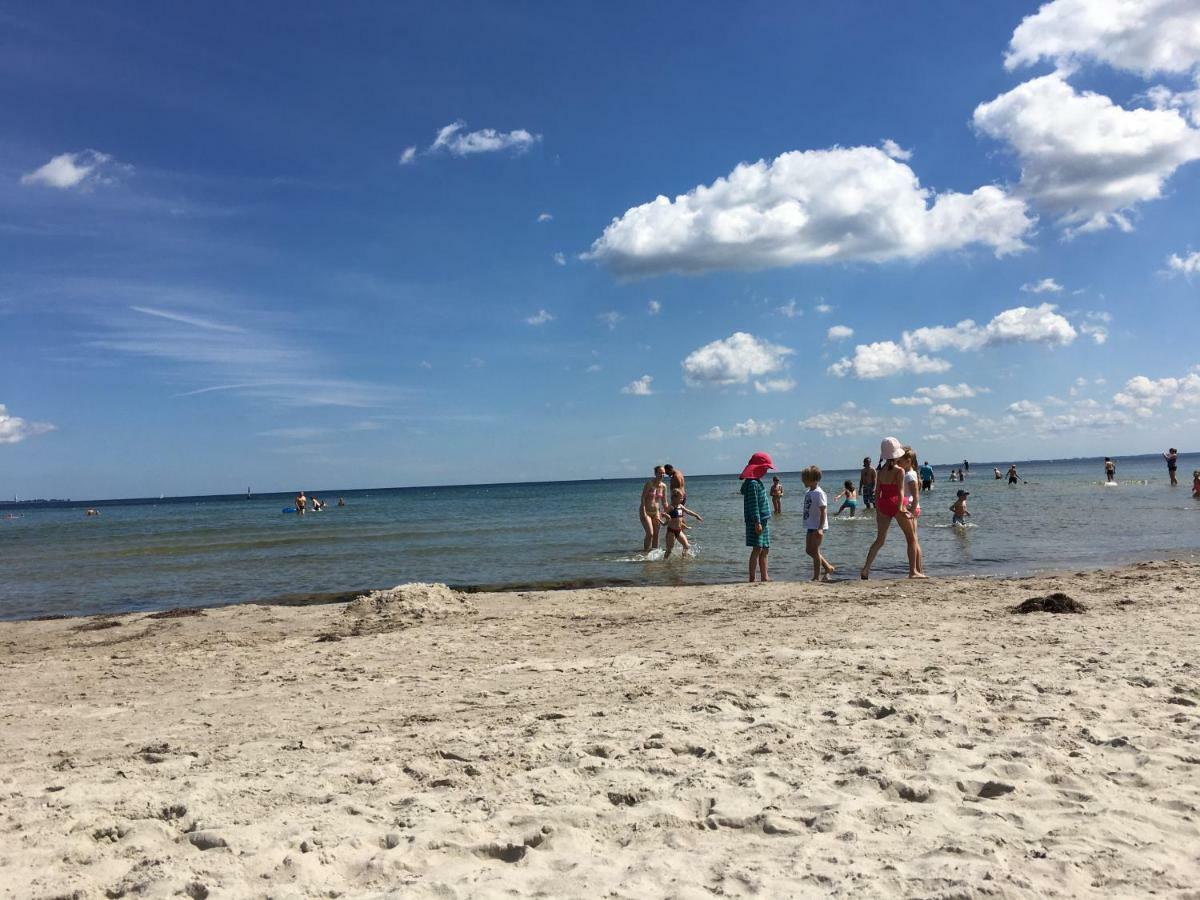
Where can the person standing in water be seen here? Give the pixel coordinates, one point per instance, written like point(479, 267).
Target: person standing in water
point(966, 467)
point(1012, 474)
point(678, 482)
point(757, 513)
point(776, 496)
point(866, 483)
point(654, 496)
point(1172, 458)
point(1110, 471)
point(301, 503)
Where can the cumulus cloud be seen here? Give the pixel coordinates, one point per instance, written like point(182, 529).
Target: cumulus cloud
point(883, 359)
point(639, 387)
point(14, 429)
point(734, 360)
point(1046, 285)
point(560, 258)
point(790, 310)
point(839, 333)
point(946, 411)
point(749, 428)
point(814, 206)
point(1142, 394)
point(545, 217)
point(848, 419)
point(541, 317)
point(1188, 265)
point(823, 308)
point(1084, 158)
point(894, 150)
point(1021, 324)
point(611, 319)
point(653, 308)
point(409, 156)
point(774, 385)
point(1025, 409)
point(1143, 36)
point(911, 401)
point(457, 142)
point(1095, 326)
point(959, 391)
point(74, 170)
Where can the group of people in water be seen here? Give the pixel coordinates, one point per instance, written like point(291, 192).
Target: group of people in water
point(892, 489)
point(305, 504)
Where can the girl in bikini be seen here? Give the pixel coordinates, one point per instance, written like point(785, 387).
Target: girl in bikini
point(677, 524)
point(654, 497)
point(890, 482)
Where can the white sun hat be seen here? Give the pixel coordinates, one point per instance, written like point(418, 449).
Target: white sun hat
point(891, 448)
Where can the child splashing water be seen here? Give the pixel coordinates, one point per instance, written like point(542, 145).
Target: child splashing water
point(850, 502)
point(677, 524)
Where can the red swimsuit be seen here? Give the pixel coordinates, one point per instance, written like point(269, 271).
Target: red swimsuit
point(887, 501)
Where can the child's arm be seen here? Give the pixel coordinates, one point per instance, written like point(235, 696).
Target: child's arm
point(694, 515)
point(824, 518)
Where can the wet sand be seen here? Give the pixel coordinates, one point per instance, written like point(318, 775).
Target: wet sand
point(859, 739)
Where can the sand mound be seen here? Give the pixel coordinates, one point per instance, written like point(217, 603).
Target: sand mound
point(1051, 603)
point(404, 606)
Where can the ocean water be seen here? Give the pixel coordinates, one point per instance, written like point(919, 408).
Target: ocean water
point(206, 551)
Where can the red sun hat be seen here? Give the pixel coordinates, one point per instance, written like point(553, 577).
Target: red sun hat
point(758, 466)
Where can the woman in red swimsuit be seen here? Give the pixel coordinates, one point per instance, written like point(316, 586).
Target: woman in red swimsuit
point(888, 507)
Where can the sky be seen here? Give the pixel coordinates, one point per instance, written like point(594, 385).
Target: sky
point(289, 246)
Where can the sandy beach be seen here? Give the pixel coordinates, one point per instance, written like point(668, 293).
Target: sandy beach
point(878, 739)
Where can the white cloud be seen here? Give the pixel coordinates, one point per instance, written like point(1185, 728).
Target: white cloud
point(409, 156)
point(839, 333)
point(560, 258)
point(848, 419)
point(734, 360)
point(950, 391)
point(541, 317)
point(653, 307)
point(74, 170)
point(1046, 285)
point(1021, 324)
point(457, 142)
point(790, 310)
point(611, 319)
point(1143, 394)
point(1143, 36)
point(639, 387)
point(545, 217)
point(593, 368)
point(774, 385)
point(1095, 326)
point(814, 206)
point(883, 359)
point(185, 319)
point(946, 411)
point(1025, 409)
point(1083, 158)
point(823, 308)
point(749, 428)
point(911, 401)
point(1188, 265)
point(894, 150)
point(14, 429)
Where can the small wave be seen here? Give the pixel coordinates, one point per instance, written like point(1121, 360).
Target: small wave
point(652, 556)
point(950, 525)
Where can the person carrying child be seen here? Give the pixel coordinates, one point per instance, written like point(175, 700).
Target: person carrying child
point(816, 521)
point(757, 512)
point(851, 499)
point(959, 508)
point(677, 524)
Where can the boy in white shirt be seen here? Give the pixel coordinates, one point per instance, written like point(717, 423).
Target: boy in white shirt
point(816, 520)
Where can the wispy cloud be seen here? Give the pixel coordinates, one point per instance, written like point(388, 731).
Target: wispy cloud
point(188, 320)
point(14, 429)
point(82, 170)
point(541, 317)
point(455, 140)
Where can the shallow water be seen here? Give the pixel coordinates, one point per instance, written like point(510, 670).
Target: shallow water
point(140, 556)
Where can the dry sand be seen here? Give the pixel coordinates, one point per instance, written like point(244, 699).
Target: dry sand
point(882, 739)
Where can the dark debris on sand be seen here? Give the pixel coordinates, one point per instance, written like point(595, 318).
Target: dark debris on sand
point(176, 613)
point(1051, 603)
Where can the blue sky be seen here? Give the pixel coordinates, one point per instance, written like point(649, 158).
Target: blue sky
point(299, 245)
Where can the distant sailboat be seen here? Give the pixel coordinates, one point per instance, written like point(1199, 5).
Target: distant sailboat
point(247, 492)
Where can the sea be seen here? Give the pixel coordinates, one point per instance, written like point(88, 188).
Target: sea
point(206, 551)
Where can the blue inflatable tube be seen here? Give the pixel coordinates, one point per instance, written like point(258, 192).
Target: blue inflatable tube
point(289, 509)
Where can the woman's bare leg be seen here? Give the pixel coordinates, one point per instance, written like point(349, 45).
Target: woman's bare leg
point(651, 533)
point(909, 527)
point(882, 522)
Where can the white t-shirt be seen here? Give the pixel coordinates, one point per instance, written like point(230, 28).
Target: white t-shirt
point(814, 501)
point(910, 477)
